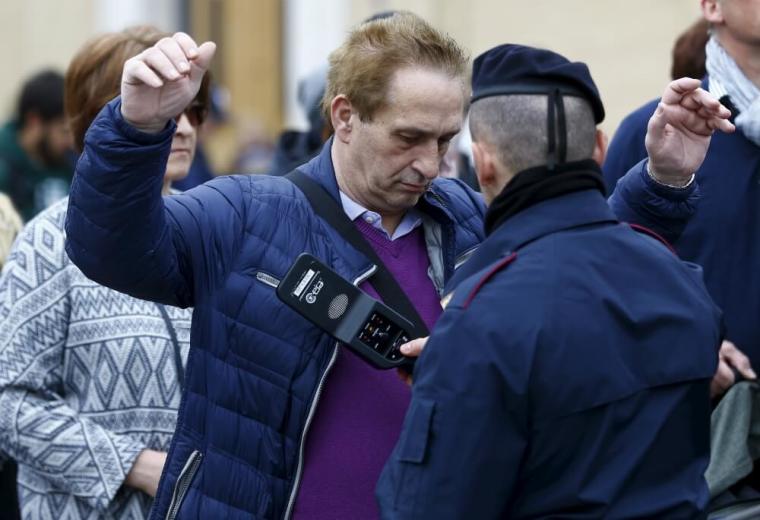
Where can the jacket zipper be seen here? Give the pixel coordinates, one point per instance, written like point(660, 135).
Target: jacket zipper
point(461, 259)
point(183, 483)
point(438, 198)
point(312, 409)
point(267, 279)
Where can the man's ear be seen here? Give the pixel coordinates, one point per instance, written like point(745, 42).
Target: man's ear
point(342, 117)
point(600, 147)
point(712, 11)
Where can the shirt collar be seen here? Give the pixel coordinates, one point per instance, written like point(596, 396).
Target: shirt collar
point(352, 208)
point(412, 219)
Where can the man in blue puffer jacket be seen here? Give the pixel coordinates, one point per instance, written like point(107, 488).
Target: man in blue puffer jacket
point(250, 440)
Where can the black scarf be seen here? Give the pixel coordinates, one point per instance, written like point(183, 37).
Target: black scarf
point(534, 185)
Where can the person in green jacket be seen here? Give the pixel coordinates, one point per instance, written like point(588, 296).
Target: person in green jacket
point(35, 146)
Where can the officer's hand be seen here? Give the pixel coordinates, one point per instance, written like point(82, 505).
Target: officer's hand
point(730, 358)
point(160, 82)
point(411, 349)
point(679, 132)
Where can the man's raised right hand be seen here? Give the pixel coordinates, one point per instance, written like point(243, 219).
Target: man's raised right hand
point(679, 132)
point(160, 82)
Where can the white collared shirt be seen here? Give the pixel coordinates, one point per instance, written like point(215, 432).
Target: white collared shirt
point(412, 219)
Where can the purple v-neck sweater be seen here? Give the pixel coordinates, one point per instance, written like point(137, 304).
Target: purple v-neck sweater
point(361, 410)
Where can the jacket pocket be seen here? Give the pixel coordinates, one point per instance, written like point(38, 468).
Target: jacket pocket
point(408, 468)
point(416, 434)
point(183, 483)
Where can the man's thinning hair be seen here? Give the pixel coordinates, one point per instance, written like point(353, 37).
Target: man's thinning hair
point(516, 126)
point(361, 69)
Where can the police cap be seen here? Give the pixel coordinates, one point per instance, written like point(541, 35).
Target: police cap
point(517, 69)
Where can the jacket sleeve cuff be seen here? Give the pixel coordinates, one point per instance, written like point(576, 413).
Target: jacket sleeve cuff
point(666, 192)
point(132, 133)
point(641, 200)
point(117, 157)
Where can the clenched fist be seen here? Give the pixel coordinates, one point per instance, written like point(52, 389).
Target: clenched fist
point(160, 82)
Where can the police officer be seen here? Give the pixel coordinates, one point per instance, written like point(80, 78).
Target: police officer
point(570, 372)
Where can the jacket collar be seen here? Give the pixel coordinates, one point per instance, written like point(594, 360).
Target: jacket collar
point(569, 211)
point(321, 170)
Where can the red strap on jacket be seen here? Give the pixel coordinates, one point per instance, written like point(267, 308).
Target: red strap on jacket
point(495, 269)
point(646, 231)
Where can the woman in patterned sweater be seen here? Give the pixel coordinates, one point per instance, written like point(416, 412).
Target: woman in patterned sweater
point(89, 378)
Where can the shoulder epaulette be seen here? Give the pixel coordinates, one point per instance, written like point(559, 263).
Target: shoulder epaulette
point(646, 231)
point(504, 262)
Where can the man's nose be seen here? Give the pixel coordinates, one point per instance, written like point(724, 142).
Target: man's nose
point(428, 162)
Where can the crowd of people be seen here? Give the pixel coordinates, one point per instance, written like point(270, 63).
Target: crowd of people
point(590, 310)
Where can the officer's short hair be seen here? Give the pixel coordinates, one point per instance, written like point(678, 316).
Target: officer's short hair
point(516, 126)
point(362, 68)
point(41, 94)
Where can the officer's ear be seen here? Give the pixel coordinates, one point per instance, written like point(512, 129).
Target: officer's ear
point(342, 116)
point(485, 167)
point(600, 147)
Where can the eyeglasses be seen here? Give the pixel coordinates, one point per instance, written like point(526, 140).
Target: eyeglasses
point(195, 112)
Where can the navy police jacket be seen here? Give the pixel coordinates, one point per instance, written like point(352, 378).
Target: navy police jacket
point(714, 223)
point(255, 367)
point(568, 378)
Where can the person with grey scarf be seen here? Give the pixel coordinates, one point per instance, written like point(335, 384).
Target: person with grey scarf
point(734, 71)
point(712, 217)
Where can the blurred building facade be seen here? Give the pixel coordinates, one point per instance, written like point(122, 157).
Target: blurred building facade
point(266, 46)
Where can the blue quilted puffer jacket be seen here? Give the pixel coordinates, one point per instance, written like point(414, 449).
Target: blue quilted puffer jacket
point(255, 368)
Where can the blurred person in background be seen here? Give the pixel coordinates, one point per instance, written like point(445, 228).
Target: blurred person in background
point(35, 161)
point(255, 149)
point(457, 163)
point(688, 55)
point(90, 379)
point(201, 170)
point(713, 217)
point(10, 225)
point(295, 147)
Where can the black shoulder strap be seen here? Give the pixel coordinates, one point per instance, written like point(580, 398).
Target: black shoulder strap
point(383, 281)
point(178, 366)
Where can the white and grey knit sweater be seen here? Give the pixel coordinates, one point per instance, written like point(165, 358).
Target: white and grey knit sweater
point(88, 378)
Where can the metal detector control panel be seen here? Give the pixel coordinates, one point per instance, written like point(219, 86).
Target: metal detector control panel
point(367, 326)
